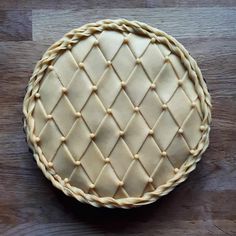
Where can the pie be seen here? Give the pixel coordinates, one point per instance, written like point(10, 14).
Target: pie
point(117, 113)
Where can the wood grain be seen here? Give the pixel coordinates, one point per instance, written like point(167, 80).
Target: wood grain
point(15, 25)
point(94, 4)
point(203, 205)
point(175, 21)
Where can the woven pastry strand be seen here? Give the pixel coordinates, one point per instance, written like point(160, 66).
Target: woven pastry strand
point(71, 39)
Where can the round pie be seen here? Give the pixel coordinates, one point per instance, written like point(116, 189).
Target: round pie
point(117, 113)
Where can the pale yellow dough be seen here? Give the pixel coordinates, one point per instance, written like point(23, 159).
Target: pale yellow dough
point(117, 113)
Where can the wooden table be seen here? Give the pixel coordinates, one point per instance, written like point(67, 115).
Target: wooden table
point(204, 205)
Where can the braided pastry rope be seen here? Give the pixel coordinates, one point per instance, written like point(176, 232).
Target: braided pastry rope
point(71, 39)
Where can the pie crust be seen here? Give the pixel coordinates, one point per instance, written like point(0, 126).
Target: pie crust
point(117, 113)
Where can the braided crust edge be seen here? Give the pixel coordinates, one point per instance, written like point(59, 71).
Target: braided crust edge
point(72, 38)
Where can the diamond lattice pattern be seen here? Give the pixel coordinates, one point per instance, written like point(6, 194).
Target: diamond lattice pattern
point(109, 109)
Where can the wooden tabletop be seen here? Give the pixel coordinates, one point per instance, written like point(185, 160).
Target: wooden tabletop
point(203, 205)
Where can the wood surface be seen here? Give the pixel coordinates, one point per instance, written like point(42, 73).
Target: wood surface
point(203, 205)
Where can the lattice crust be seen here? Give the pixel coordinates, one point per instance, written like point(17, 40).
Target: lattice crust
point(117, 113)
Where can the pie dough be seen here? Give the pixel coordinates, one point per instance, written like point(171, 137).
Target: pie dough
point(117, 113)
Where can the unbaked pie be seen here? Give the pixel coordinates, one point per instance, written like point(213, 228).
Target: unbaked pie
point(117, 113)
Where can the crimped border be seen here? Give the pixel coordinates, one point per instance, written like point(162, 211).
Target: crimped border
point(72, 38)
